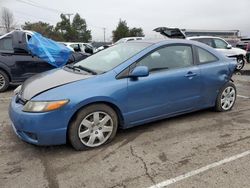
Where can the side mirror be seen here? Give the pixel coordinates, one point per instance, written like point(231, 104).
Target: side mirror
point(229, 46)
point(140, 71)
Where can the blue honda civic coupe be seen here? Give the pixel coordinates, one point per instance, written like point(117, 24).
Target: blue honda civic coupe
point(123, 86)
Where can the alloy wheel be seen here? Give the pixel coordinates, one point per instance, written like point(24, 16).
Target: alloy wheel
point(228, 97)
point(95, 129)
point(2, 81)
point(240, 64)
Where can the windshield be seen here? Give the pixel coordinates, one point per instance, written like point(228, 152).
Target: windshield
point(111, 57)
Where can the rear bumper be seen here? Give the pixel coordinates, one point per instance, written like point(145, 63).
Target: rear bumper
point(38, 128)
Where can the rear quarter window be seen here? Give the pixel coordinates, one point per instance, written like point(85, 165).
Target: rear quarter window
point(6, 44)
point(205, 56)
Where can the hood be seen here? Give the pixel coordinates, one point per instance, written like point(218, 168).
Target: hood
point(48, 80)
point(170, 32)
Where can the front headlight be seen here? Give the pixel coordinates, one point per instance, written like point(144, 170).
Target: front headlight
point(43, 106)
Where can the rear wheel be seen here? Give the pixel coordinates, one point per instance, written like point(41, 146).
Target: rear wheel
point(94, 126)
point(226, 98)
point(240, 63)
point(4, 81)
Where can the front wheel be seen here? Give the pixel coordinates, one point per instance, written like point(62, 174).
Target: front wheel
point(93, 126)
point(240, 63)
point(226, 98)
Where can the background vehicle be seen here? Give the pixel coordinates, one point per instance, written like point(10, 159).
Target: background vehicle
point(126, 85)
point(215, 42)
point(244, 44)
point(225, 48)
point(127, 39)
point(80, 47)
point(17, 63)
point(123, 40)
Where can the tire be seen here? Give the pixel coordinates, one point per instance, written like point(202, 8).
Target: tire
point(226, 98)
point(4, 81)
point(240, 63)
point(95, 124)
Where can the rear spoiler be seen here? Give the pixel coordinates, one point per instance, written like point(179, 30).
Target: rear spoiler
point(170, 32)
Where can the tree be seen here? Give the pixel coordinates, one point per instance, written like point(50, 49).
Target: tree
point(121, 31)
point(7, 19)
point(45, 29)
point(79, 25)
point(136, 32)
point(77, 31)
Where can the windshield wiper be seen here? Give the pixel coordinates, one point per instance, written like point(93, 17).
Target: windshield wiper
point(85, 69)
point(81, 68)
point(71, 67)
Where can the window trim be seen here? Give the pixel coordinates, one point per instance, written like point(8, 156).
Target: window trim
point(125, 73)
point(168, 45)
point(197, 56)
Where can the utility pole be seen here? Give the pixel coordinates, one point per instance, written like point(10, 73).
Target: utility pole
point(69, 14)
point(104, 33)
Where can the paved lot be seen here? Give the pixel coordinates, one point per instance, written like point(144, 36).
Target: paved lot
point(141, 156)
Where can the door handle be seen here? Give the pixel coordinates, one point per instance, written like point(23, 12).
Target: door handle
point(190, 74)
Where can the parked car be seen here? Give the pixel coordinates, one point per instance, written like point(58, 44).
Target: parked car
point(215, 42)
point(123, 40)
point(17, 63)
point(244, 44)
point(127, 39)
point(126, 85)
point(80, 47)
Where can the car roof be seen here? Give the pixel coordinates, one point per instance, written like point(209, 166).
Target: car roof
point(131, 37)
point(162, 42)
point(203, 37)
point(165, 41)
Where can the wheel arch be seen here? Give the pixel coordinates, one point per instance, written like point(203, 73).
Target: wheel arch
point(3, 68)
point(108, 103)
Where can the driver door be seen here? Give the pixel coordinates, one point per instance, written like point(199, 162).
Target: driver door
point(173, 85)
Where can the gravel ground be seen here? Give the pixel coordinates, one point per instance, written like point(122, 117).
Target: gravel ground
point(139, 157)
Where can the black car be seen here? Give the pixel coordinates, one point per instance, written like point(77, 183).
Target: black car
point(17, 63)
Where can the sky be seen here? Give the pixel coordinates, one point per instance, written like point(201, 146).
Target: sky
point(147, 14)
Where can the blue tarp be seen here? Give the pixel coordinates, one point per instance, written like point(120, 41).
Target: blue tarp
point(50, 51)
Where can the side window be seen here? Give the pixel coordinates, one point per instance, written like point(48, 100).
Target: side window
point(206, 41)
point(76, 47)
point(6, 44)
point(220, 44)
point(169, 57)
point(28, 37)
point(205, 56)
